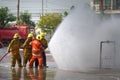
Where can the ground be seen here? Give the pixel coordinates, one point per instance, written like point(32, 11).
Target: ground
point(52, 72)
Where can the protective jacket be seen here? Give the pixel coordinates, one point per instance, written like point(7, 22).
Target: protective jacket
point(37, 47)
point(14, 45)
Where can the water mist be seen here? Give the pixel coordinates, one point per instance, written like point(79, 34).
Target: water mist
point(76, 43)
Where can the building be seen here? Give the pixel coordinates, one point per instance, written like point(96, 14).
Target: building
point(106, 6)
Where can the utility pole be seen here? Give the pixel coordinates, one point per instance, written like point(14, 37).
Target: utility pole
point(42, 8)
point(101, 9)
point(18, 8)
point(42, 12)
point(46, 6)
point(101, 6)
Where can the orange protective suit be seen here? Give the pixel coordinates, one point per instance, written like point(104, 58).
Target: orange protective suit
point(45, 45)
point(37, 50)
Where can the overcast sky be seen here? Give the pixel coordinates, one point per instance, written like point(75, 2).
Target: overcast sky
point(35, 6)
point(27, 4)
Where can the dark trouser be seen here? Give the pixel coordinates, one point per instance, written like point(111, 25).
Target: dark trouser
point(44, 60)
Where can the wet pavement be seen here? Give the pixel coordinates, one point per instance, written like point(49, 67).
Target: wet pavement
point(52, 72)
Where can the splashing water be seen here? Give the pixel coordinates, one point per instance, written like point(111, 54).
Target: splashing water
point(76, 43)
point(6, 61)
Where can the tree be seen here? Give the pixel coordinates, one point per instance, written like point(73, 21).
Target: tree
point(5, 17)
point(72, 7)
point(25, 19)
point(65, 13)
point(49, 22)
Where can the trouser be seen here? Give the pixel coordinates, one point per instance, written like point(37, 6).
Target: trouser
point(44, 60)
point(15, 58)
point(40, 61)
point(26, 59)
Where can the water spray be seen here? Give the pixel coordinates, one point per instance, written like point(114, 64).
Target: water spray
point(77, 44)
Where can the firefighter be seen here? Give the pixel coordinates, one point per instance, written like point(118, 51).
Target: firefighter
point(45, 45)
point(14, 49)
point(37, 50)
point(27, 49)
point(1, 44)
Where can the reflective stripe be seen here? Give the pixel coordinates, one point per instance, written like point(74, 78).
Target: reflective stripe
point(35, 49)
point(36, 54)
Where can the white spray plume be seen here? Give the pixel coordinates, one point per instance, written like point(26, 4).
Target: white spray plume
point(76, 43)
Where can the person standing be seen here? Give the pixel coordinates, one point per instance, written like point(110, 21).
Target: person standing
point(14, 47)
point(45, 45)
point(37, 50)
point(27, 49)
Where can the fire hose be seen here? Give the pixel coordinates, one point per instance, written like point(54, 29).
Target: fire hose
point(3, 56)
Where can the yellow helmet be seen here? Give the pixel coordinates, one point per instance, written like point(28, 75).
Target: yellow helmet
point(30, 35)
point(16, 35)
point(42, 34)
point(38, 37)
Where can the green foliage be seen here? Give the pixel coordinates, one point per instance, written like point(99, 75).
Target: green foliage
point(5, 16)
point(49, 22)
point(25, 19)
point(72, 7)
point(65, 13)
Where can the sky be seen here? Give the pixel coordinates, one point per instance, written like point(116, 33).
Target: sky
point(35, 6)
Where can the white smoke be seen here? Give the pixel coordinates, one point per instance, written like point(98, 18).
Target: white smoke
point(76, 43)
